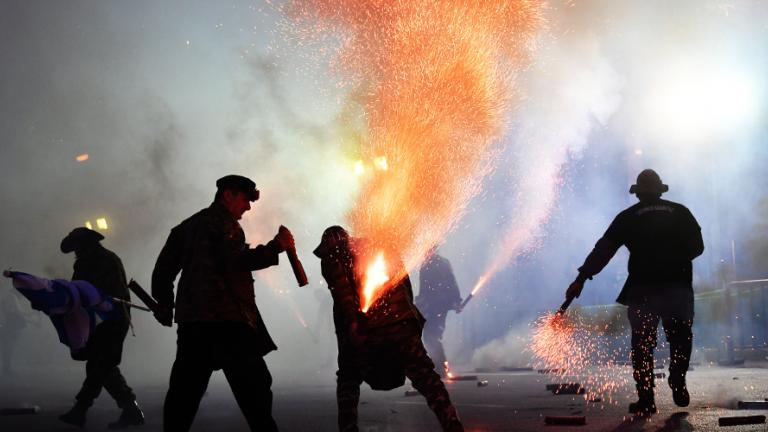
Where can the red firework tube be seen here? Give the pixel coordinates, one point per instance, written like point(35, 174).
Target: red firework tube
point(565, 420)
point(143, 295)
point(298, 269)
point(741, 420)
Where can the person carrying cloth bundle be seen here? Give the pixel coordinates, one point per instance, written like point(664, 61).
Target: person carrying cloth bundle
point(381, 346)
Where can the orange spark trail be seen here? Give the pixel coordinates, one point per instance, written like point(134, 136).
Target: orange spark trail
point(580, 352)
point(434, 79)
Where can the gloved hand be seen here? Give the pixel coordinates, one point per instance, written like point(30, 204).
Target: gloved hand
point(284, 238)
point(574, 290)
point(164, 315)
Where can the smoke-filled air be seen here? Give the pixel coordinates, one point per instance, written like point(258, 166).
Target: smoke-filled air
point(479, 147)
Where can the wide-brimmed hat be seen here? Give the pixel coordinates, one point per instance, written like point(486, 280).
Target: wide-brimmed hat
point(78, 237)
point(648, 182)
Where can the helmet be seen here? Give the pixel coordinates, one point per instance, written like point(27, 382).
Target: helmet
point(648, 182)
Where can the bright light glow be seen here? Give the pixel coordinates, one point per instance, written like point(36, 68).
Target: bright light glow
point(375, 278)
point(638, 152)
point(381, 163)
point(480, 282)
point(694, 103)
point(359, 168)
point(88, 225)
point(101, 223)
point(82, 157)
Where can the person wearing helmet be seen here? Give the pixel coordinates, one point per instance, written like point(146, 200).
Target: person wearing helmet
point(103, 268)
point(663, 238)
point(383, 345)
point(219, 325)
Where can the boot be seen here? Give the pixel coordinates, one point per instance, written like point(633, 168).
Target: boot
point(76, 415)
point(131, 416)
point(645, 404)
point(679, 390)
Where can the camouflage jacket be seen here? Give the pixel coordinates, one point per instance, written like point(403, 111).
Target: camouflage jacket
point(215, 262)
point(340, 269)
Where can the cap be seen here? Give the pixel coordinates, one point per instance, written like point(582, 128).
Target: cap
point(239, 183)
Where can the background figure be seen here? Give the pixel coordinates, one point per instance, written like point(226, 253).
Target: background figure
point(12, 322)
point(663, 238)
point(438, 294)
point(219, 325)
point(104, 350)
point(382, 344)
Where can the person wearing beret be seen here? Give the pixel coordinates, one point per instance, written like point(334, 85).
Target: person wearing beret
point(219, 324)
point(103, 352)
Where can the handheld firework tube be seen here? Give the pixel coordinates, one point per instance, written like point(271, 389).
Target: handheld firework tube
point(298, 269)
point(564, 306)
point(466, 300)
point(144, 296)
point(758, 405)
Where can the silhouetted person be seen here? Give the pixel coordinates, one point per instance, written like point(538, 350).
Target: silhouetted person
point(219, 325)
point(663, 238)
point(103, 269)
point(382, 345)
point(438, 294)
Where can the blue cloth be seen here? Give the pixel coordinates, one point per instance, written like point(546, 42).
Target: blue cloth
point(74, 307)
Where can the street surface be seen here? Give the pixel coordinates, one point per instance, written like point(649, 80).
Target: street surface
point(515, 401)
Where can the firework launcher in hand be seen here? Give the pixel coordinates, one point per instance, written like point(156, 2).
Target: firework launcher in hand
point(564, 306)
point(293, 258)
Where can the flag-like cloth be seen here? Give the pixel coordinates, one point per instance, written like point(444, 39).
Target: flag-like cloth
point(74, 307)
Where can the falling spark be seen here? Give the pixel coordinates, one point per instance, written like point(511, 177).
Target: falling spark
point(375, 278)
point(82, 157)
point(101, 223)
point(435, 80)
point(577, 350)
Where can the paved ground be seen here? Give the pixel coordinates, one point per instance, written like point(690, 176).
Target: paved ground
point(511, 402)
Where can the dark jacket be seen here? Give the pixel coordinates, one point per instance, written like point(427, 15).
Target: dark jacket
point(215, 262)
point(104, 270)
point(438, 290)
point(663, 238)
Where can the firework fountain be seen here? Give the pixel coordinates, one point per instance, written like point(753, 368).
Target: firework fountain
point(435, 83)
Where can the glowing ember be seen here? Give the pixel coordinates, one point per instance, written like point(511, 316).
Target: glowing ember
point(82, 157)
point(434, 83)
point(375, 278)
point(448, 372)
point(88, 225)
point(381, 163)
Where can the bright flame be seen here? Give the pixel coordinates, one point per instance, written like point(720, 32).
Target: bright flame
point(101, 223)
point(82, 157)
point(381, 163)
point(375, 278)
point(434, 82)
point(88, 225)
point(447, 368)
